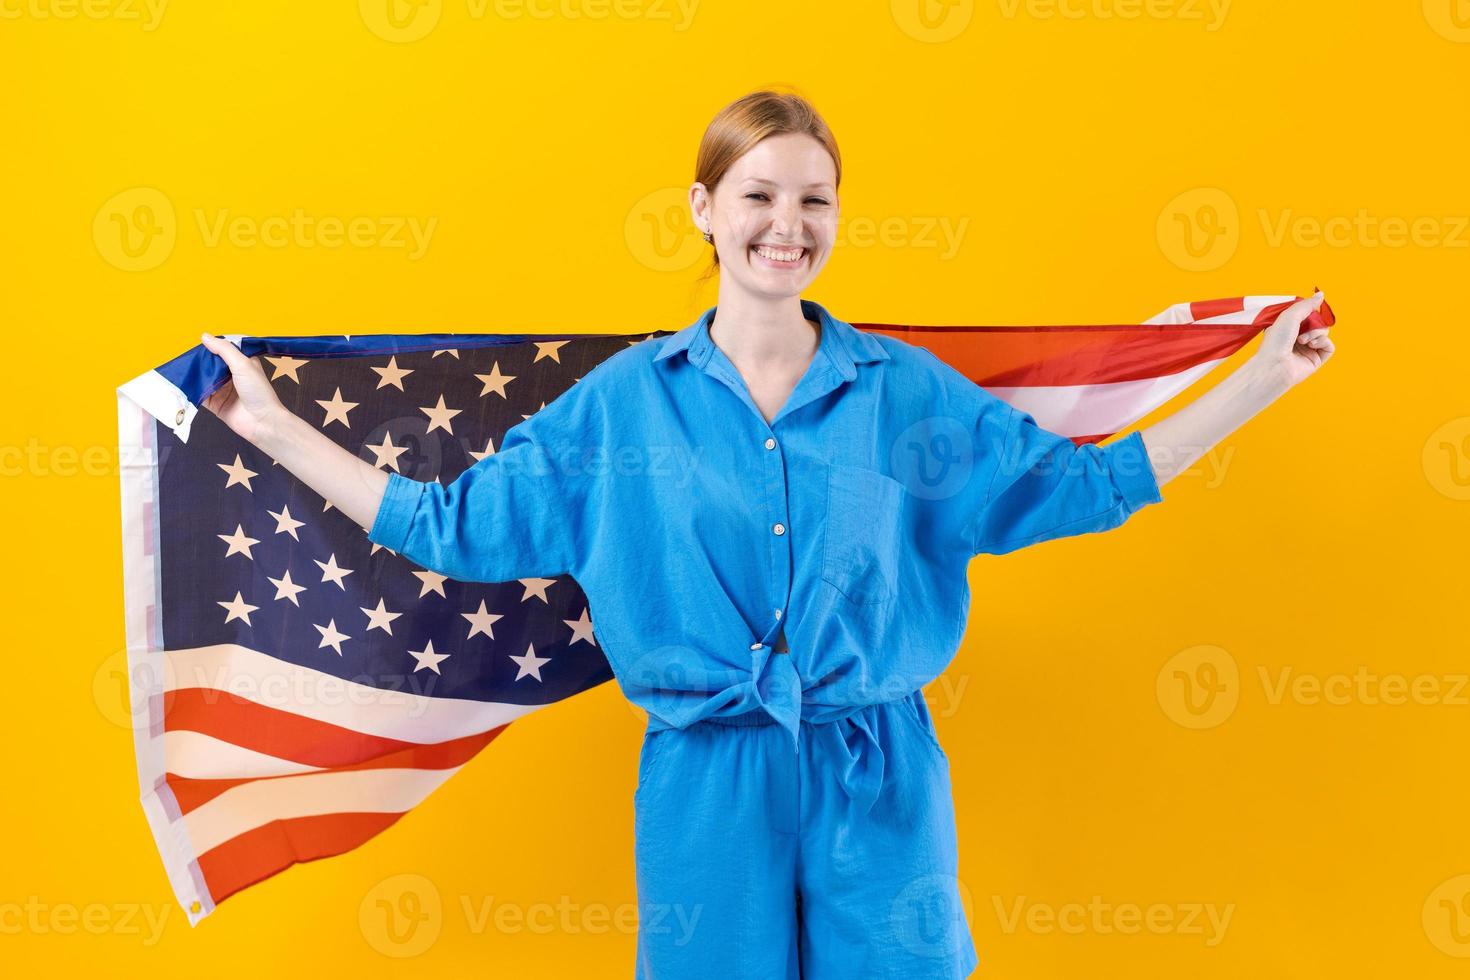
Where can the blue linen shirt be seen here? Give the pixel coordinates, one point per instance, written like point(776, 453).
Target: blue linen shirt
point(806, 567)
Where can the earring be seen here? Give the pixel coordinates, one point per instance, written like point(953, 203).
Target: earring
point(708, 238)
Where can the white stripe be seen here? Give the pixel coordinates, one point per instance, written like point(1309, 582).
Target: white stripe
point(243, 808)
point(195, 755)
point(1180, 314)
point(401, 715)
point(1087, 410)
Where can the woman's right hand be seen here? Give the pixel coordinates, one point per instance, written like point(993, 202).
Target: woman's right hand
point(246, 403)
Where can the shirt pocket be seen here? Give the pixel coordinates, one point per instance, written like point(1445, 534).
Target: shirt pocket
point(861, 533)
point(653, 742)
point(918, 711)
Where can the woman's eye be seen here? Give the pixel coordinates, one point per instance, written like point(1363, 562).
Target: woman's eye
point(810, 200)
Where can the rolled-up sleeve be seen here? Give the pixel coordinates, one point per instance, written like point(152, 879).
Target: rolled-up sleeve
point(1041, 485)
point(516, 513)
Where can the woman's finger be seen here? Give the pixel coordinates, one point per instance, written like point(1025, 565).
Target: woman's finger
point(1282, 334)
point(233, 357)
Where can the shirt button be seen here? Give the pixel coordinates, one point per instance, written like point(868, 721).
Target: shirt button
point(755, 646)
point(779, 529)
point(770, 443)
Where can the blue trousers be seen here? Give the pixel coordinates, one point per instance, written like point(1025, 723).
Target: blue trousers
point(836, 861)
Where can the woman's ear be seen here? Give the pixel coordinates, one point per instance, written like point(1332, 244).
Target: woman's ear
point(699, 204)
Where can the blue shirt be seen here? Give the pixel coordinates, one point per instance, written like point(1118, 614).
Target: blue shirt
point(805, 567)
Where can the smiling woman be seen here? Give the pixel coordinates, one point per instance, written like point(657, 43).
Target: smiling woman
point(796, 590)
point(772, 165)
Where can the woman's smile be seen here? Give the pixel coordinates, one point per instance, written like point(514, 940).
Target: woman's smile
point(774, 257)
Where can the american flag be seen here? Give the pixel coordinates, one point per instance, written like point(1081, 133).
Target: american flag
point(297, 689)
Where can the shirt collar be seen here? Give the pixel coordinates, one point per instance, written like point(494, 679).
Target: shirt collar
point(843, 344)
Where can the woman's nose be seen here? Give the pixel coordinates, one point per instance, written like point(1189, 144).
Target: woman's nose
point(786, 220)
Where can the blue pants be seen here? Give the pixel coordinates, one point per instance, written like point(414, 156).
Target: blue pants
point(757, 862)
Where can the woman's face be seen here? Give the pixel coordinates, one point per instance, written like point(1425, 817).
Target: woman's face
point(773, 215)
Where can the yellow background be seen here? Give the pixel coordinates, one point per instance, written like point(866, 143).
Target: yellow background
point(1070, 147)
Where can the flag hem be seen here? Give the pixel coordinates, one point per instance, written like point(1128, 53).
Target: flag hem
point(138, 471)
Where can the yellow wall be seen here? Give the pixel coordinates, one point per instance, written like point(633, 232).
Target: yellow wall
point(1028, 161)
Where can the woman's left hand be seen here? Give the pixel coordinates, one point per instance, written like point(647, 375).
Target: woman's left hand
point(1290, 358)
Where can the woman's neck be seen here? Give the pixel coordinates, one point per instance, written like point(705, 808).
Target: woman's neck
point(764, 335)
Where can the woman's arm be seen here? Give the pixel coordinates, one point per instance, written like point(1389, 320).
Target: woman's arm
point(525, 511)
point(248, 405)
point(1283, 360)
point(353, 485)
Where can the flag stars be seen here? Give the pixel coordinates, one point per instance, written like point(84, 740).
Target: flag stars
point(537, 587)
point(439, 416)
point(336, 409)
point(286, 367)
point(330, 636)
point(427, 658)
point(549, 348)
point(581, 629)
point(285, 523)
point(380, 618)
point(392, 374)
point(543, 405)
point(433, 582)
point(488, 451)
point(238, 474)
point(332, 572)
point(530, 664)
point(495, 381)
point(481, 621)
point(387, 454)
point(238, 609)
point(286, 589)
point(239, 542)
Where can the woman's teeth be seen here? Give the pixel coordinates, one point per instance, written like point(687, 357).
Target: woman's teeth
point(789, 256)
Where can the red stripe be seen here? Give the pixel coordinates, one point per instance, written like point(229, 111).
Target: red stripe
point(194, 793)
point(1216, 307)
point(1031, 357)
point(1320, 317)
point(268, 850)
point(1025, 356)
point(273, 731)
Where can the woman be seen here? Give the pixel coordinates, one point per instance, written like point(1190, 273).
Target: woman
point(796, 583)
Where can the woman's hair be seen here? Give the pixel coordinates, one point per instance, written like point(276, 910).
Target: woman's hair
point(744, 123)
